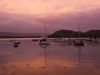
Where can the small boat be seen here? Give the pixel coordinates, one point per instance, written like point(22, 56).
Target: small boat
point(78, 43)
point(43, 42)
point(16, 44)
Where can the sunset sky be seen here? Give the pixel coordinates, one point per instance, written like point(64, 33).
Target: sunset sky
point(31, 15)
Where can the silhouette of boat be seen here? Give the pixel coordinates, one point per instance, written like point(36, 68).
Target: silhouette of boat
point(78, 41)
point(44, 40)
point(16, 43)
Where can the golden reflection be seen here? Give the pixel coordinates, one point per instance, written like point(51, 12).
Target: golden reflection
point(54, 67)
point(39, 62)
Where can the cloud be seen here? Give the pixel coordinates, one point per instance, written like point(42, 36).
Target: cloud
point(46, 6)
point(17, 23)
point(89, 19)
point(35, 23)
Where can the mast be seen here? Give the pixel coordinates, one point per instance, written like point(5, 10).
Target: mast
point(79, 31)
point(45, 31)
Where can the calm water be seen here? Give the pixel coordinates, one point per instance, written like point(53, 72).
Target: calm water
point(57, 59)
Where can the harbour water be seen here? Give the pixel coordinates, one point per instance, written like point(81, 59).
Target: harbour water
point(57, 59)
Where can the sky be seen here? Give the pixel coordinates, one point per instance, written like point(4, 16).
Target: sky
point(31, 15)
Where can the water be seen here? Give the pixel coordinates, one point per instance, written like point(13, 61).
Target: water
point(57, 59)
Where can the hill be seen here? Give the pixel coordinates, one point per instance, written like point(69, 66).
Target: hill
point(19, 35)
point(74, 34)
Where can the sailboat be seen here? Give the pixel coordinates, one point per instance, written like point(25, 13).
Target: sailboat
point(44, 40)
point(16, 43)
point(78, 41)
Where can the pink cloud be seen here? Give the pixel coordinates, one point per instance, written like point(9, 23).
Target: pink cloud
point(34, 23)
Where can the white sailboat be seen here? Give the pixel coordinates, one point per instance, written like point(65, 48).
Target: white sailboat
point(44, 40)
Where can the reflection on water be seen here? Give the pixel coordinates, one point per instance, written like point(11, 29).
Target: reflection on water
point(57, 59)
